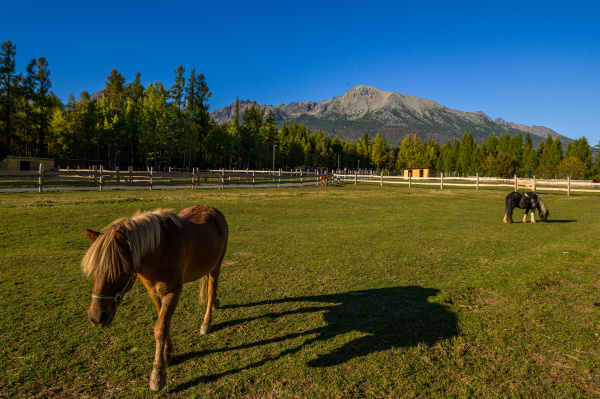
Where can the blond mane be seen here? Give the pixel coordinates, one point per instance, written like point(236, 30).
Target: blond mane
point(106, 257)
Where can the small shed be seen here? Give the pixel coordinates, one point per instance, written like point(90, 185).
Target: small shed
point(420, 172)
point(13, 163)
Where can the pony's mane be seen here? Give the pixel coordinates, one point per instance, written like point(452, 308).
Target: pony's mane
point(106, 257)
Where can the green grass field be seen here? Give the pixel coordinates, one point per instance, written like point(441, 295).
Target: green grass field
point(327, 292)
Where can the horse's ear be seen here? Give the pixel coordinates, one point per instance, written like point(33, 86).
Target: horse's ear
point(92, 235)
point(120, 237)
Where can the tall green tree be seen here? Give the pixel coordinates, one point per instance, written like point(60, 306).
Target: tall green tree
point(156, 114)
point(581, 150)
point(198, 119)
point(111, 124)
point(44, 102)
point(528, 162)
point(465, 153)
point(379, 152)
point(8, 95)
point(133, 119)
point(253, 120)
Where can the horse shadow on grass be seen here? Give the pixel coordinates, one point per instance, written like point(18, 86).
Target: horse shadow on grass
point(391, 317)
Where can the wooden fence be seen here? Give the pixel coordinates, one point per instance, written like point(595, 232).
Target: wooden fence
point(476, 182)
point(99, 178)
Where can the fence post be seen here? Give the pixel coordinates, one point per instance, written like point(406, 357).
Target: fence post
point(100, 179)
point(409, 180)
point(252, 179)
point(442, 181)
point(381, 177)
point(279, 180)
point(516, 183)
point(222, 179)
point(533, 184)
point(568, 186)
point(193, 176)
point(355, 176)
point(40, 178)
point(117, 174)
point(151, 176)
point(477, 184)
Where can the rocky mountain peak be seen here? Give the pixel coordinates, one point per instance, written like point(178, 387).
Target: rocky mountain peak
point(365, 109)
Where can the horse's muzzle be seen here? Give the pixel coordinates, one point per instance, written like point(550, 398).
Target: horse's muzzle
point(100, 317)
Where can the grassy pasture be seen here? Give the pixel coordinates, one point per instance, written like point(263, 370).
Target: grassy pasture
point(327, 292)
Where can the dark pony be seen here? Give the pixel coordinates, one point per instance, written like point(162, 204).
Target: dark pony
point(528, 201)
point(164, 251)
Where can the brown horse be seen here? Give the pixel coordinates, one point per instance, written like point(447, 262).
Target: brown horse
point(324, 180)
point(165, 251)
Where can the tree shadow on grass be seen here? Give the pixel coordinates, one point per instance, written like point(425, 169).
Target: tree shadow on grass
point(391, 318)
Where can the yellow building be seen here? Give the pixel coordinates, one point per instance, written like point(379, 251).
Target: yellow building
point(13, 164)
point(420, 172)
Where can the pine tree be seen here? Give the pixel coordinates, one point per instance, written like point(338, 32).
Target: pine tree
point(134, 98)
point(28, 90)
point(44, 102)
point(7, 94)
point(467, 144)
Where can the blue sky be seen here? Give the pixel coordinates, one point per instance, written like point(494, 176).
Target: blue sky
point(535, 63)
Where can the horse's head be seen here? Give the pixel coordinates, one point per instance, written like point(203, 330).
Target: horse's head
point(544, 215)
point(110, 264)
point(544, 212)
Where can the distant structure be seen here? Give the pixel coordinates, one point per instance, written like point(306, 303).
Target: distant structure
point(420, 172)
point(16, 163)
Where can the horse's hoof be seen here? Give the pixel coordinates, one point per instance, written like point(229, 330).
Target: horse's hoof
point(157, 380)
point(205, 329)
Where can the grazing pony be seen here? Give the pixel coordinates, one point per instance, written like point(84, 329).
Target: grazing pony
point(324, 180)
point(528, 201)
point(165, 251)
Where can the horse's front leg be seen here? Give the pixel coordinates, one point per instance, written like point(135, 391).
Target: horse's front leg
point(525, 215)
point(532, 215)
point(158, 303)
point(162, 335)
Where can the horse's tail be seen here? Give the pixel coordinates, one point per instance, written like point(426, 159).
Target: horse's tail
point(204, 289)
point(508, 208)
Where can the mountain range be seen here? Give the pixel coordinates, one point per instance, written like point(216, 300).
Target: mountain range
point(365, 109)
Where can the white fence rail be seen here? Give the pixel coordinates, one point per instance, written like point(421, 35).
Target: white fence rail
point(477, 182)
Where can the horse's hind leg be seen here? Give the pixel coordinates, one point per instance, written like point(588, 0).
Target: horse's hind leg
point(508, 216)
point(208, 292)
